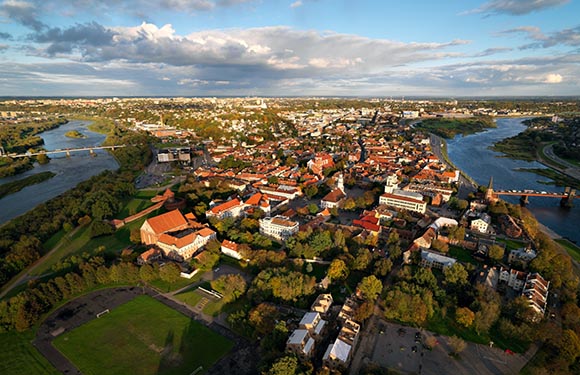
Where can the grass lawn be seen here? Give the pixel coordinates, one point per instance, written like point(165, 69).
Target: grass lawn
point(144, 337)
point(512, 244)
point(164, 286)
point(81, 242)
point(191, 297)
point(19, 357)
point(571, 248)
point(446, 326)
point(462, 255)
point(134, 206)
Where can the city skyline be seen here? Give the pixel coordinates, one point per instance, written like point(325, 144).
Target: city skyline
point(278, 48)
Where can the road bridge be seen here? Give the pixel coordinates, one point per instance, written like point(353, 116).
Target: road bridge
point(566, 197)
point(67, 151)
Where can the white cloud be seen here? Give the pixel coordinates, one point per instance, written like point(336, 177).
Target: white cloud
point(296, 4)
point(516, 7)
point(553, 78)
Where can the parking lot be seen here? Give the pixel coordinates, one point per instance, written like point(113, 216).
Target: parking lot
point(396, 348)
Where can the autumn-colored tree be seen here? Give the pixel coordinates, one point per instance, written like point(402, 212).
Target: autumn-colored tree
point(337, 270)
point(464, 316)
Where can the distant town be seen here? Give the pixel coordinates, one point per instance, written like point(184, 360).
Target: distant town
point(289, 236)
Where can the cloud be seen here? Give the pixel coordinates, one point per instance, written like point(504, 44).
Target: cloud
point(3, 47)
point(553, 78)
point(492, 51)
point(5, 36)
point(79, 36)
point(296, 4)
point(22, 12)
point(568, 37)
point(516, 7)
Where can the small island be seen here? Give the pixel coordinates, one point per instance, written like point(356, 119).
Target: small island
point(75, 134)
point(448, 128)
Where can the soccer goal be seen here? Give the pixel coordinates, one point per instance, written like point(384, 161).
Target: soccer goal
point(103, 313)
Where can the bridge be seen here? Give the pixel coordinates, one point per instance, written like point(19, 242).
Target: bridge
point(66, 151)
point(566, 197)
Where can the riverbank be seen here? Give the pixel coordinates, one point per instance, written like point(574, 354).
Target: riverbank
point(16, 186)
point(449, 128)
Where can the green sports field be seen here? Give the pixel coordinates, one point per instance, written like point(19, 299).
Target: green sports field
point(142, 336)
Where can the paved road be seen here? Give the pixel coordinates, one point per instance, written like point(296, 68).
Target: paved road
point(570, 169)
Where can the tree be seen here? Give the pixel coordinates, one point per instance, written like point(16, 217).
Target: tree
point(464, 316)
point(349, 204)
point(364, 311)
point(495, 252)
point(370, 287)
point(311, 191)
point(457, 345)
point(147, 273)
point(337, 270)
point(362, 260)
point(457, 233)
point(135, 236)
point(284, 366)
point(231, 286)
point(431, 341)
point(309, 268)
point(382, 267)
point(455, 274)
point(312, 209)
point(170, 272)
point(263, 318)
point(440, 246)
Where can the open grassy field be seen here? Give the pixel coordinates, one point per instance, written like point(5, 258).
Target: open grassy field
point(144, 337)
point(19, 357)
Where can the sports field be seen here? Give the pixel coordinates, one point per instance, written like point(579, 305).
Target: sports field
point(142, 336)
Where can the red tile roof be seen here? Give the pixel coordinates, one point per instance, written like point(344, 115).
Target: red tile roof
point(167, 222)
point(225, 206)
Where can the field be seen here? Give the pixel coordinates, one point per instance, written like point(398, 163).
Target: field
point(19, 357)
point(144, 337)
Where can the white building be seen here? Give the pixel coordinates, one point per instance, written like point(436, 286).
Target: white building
point(232, 208)
point(481, 224)
point(406, 200)
point(391, 184)
point(523, 255)
point(230, 249)
point(300, 343)
point(278, 227)
point(513, 278)
point(183, 245)
point(435, 260)
point(312, 322)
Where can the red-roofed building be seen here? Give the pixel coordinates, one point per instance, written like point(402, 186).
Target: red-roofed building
point(152, 228)
point(149, 256)
point(230, 249)
point(183, 245)
point(320, 163)
point(232, 208)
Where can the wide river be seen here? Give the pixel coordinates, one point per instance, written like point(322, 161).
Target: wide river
point(69, 171)
point(471, 154)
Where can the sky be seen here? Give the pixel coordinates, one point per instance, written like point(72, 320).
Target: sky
point(380, 48)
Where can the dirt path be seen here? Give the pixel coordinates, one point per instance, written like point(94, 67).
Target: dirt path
point(25, 275)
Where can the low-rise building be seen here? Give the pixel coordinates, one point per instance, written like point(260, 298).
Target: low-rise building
point(230, 249)
point(480, 224)
point(513, 278)
point(313, 322)
point(232, 208)
point(183, 245)
point(149, 256)
point(535, 289)
point(300, 343)
point(339, 353)
point(432, 259)
point(522, 256)
point(278, 227)
point(406, 200)
point(322, 304)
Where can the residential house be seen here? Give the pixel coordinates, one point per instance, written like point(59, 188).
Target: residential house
point(481, 224)
point(313, 322)
point(536, 291)
point(322, 304)
point(149, 256)
point(513, 278)
point(300, 343)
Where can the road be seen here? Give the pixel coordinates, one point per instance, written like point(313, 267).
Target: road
point(570, 169)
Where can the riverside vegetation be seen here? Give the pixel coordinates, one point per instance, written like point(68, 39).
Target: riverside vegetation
point(449, 128)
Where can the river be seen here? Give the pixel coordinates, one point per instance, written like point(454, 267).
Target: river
point(79, 167)
point(471, 154)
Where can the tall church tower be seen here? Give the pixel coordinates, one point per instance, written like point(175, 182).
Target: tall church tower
point(340, 183)
point(391, 184)
point(489, 197)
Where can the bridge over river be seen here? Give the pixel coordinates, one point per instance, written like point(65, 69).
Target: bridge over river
point(566, 197)
point(66, 151)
